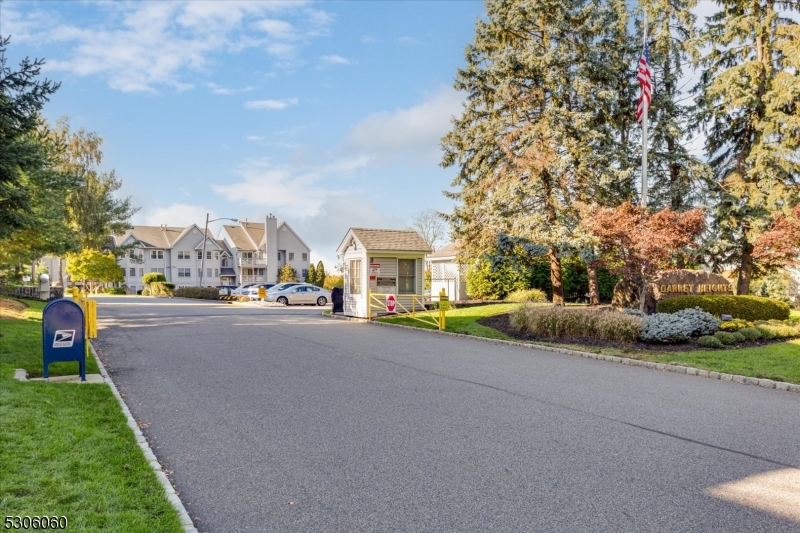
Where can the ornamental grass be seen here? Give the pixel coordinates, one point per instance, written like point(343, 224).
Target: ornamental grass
point(566, 322)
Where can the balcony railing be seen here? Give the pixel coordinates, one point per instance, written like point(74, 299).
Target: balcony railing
point(253, 279)
point(252, 261)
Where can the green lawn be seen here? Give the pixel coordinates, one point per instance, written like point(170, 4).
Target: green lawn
point(66, 448)
point(779, 361)
point(464, 320)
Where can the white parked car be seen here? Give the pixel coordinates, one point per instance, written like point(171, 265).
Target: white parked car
point(252, 290)
point(241, 290)
point(303, 293)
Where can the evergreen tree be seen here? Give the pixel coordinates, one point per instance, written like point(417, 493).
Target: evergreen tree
point(287, 274)
point(677, 179)
point(525, 143)
point(311, 275)
point(21, 99)
point(748, 100)
point(320, 279)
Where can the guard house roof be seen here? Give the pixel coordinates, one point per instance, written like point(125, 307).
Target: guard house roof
point(400, 240)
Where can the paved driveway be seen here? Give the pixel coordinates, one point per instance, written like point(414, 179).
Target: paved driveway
point(282, 420)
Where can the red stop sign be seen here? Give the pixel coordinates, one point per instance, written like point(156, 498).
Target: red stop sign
point(391, 303)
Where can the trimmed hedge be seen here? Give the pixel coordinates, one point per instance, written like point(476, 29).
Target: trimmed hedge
point(203, 293)
point(114, 290)
point(744, 307)
point(164, 288)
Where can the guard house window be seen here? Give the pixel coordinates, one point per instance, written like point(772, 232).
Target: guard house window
point(156, 254)
point(183, 255)
point(132, 272)
point(184, 272)
point(291, 256)
point(305, 257)
point(406, 276)
point(355, 276)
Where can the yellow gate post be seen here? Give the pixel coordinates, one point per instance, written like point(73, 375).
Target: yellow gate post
point(369, 304)
point(444, 305)
point(75, 294)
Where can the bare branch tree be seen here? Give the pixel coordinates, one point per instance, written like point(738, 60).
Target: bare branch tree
point(431, 227)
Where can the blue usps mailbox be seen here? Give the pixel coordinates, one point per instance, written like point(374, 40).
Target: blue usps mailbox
point(63, 335)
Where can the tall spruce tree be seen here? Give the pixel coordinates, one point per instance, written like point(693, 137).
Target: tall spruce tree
point(525, 142)
point(748, 98)
point(677, 179)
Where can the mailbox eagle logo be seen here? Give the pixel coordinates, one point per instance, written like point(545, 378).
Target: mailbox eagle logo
point(64, 338)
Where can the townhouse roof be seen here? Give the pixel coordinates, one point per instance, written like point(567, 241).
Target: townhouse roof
point(152, 236)
point(405, 240)
point(446, 251)
point(240, 238)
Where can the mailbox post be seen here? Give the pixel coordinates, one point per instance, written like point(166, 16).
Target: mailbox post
point(63, 335)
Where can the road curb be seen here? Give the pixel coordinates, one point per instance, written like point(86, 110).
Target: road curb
point(678, 369)
point(172, 496)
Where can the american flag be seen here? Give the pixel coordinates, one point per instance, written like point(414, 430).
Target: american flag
point(645, 77)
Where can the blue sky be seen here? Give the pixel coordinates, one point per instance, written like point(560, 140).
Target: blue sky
point(327, 114)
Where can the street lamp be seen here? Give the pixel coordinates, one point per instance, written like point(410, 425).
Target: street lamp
point(205, 237)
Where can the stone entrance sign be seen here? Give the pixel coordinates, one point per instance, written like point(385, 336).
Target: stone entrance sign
point(671, 283)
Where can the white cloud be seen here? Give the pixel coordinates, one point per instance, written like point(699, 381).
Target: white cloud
point(173, 215)
point(139, 46)
point(369, 38)
point(408, 41)
point(335, 60)
point(256, 138)
point(295, 187)
point(216, 89)
point(412, 133)
point(270, 104)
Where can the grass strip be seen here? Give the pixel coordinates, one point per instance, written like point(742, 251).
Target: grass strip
point(66, 448)
point(779, 361)
point(463, 320)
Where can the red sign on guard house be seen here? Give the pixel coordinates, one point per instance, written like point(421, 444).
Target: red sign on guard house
point(391, 303)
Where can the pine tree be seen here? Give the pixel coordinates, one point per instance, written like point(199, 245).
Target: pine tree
point(748, 100)
point(320, 279)
point(677, 179)
point(525, 142)
point(311, 275)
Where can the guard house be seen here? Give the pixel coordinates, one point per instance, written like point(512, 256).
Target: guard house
point(379, 262)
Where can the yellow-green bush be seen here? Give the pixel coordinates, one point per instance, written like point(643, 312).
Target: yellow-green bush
point(735, 325)
point(527, 295)
point(771, 329)
point(744, 307)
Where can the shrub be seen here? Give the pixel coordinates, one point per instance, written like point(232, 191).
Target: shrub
point(678, 327)
point(161, 288)
point(485, 283)
point(778, 328)
point(153, 277)
point(527, 295)
point(710, 341)
point(726, 337)
point(735, 324)
point(114, 290)
point(145, 292)
point(559, 322)
point(750, 333)
point(744, 307)
point(203, 293)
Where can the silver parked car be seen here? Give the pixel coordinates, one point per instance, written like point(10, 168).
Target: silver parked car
point(303, 293)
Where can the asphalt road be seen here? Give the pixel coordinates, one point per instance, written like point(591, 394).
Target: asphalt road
point(279, 419)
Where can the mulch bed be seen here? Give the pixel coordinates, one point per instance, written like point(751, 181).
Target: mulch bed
point(502, 323)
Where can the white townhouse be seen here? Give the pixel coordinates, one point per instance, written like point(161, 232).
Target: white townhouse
point(175, 252)
point(256, 255)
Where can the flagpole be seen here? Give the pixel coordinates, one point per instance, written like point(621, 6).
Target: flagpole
point(644, 137)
